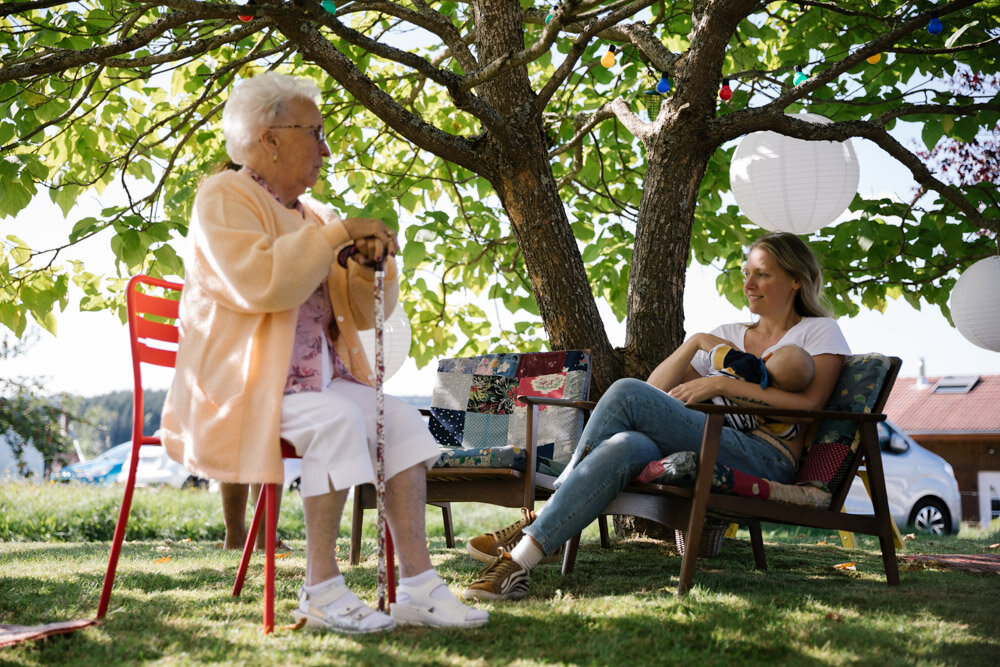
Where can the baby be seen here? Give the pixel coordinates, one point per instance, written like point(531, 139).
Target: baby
point(789, 368)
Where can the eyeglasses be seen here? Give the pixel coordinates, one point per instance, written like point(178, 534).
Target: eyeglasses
point(317, 131)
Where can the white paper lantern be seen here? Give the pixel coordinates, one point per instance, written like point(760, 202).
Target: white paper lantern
point(785, 184)
point(396, 339)
point(975, 303)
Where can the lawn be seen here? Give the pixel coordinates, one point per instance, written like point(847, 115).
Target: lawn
point(172, 601)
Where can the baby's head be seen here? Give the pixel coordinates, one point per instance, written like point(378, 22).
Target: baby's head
point(790, 368)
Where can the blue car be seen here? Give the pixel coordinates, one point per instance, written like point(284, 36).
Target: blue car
point(102, 469)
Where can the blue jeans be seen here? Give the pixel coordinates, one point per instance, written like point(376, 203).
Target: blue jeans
point(635, 423)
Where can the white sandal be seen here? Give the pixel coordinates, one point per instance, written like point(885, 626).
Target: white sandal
point(353, 618)
point(421, 609)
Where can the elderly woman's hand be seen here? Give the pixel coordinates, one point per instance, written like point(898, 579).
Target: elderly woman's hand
point(373, 239)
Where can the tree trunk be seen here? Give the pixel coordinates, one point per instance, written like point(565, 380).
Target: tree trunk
point(521, 173)
point(655, 325)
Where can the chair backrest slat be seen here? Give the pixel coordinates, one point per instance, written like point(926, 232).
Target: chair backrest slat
point(156, 356)
point(149, 329)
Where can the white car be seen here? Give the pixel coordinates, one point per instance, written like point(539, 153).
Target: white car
point(921, 485)
point(156, 467)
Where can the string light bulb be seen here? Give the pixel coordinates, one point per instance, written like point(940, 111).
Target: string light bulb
point(608, 59)
point(934, 26)
point(800, 76)
point(548, 17)
point(329, 6)
point(725, 93)
point(246, 18)
point(663, 85)
point(874, 59)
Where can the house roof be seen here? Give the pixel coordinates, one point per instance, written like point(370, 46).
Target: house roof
point(967, 404)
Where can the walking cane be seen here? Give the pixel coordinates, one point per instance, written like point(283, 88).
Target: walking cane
point(385, 550)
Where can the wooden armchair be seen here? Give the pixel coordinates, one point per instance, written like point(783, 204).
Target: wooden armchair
point(501, 443)
point(844, 435)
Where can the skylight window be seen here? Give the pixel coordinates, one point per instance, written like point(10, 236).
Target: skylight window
point(956, 384)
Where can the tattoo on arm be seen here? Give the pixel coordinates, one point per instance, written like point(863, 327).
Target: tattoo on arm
point(746, 401)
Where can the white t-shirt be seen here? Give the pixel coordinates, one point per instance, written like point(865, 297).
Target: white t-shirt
point(816, 335)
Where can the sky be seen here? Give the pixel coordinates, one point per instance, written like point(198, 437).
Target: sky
point(89, 356)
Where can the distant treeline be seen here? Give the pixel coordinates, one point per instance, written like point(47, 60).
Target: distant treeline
point(107, 419)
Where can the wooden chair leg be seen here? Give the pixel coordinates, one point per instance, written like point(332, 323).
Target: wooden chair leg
point(757, 542)
point(602, 523)
point(449, 528)
point(357, 523)
point(569, 558)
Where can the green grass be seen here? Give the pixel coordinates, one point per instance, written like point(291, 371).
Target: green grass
point(617, 607)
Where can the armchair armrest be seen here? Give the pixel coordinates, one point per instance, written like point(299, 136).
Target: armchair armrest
point(712, 408)
point(558, 402)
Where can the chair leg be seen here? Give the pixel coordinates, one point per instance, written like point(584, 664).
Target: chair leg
point(357, 523)
point(248, 546)
point(270, 540)
point(569, 558)
point(449, 527)
point(118, 539)
point(602, 523)
point(757, 542)
point(390, 569)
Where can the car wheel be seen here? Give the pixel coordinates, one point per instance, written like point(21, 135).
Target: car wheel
point(931, 516)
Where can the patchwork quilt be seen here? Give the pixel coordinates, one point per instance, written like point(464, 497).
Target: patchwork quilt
point(479, 421)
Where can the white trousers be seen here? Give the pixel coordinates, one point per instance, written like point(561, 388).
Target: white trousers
point(334, 432)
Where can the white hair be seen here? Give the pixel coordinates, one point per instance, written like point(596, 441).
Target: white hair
point(257, 103)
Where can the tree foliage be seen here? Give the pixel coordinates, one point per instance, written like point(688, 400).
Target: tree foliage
point(525, 171)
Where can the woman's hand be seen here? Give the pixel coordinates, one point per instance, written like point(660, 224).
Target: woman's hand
point(706, 341)
point(373, 239)
point(702, 389)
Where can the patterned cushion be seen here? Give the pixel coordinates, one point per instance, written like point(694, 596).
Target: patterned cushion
point(478, 420)
point(826, 461)
point(828, 453)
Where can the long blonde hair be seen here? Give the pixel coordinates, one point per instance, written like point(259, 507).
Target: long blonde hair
point(798, 260)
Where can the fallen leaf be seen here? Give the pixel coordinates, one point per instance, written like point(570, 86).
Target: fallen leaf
point(994, 546)
point(909, 537)
point(281, 555)
point(186, 540)
point(821, 543)
point(834, 616)
point(294, 626)
point(162, 560)
point(844, 566)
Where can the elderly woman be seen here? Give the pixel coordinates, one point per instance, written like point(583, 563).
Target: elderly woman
point(276, 291)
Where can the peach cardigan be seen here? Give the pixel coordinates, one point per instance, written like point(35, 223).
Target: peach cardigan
point(253, 263)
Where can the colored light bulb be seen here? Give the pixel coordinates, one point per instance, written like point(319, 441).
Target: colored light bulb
point(934, 26)
point(725, 93)
point(329, 6)
point(608, 59)
point(875, 59)
point(246, 18)
point(548, 17)
point(663, 85)
point(800, 76)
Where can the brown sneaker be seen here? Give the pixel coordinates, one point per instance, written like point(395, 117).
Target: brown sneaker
point(486, 547)
point(502, 578)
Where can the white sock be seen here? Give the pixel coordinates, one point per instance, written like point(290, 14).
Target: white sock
point(527, 553)
point(441, 592)
point(323, 585)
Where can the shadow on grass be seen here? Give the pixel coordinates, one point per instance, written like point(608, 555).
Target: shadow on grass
point(617, 607)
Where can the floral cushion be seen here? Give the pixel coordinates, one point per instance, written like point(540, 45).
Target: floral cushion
point(479, 422)
point(826, 461)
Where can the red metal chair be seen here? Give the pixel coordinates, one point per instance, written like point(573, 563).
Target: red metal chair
point(153, 337)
